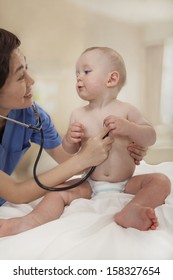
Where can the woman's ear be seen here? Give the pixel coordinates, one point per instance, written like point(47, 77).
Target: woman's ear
point(113, 79)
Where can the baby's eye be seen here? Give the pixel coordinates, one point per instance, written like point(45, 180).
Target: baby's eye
point(87, 71)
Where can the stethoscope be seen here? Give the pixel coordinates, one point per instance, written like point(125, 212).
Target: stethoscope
point(38, 127)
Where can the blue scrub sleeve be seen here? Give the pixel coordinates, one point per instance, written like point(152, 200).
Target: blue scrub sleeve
point(18, 139)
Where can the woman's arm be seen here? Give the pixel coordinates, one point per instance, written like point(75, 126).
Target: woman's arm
point(58, 154)
point(92, 153)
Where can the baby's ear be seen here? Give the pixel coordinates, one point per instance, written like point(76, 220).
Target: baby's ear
point(113, 79)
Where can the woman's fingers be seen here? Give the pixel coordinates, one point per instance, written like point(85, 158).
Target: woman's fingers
point(102, 133)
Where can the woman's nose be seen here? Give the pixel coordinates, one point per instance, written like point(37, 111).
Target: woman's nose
point(29, 80)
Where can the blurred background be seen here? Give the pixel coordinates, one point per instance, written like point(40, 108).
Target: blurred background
point(55, 32)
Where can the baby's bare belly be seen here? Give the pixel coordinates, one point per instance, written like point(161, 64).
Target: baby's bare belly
point(118, 167)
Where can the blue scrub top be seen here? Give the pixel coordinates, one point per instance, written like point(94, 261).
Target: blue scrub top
point(16, 138)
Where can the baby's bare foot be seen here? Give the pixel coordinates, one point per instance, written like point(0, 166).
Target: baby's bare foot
point(136, 216)
point(16, 225)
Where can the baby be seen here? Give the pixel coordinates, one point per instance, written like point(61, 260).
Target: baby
point(101, 74)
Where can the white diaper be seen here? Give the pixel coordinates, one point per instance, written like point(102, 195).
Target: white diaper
point(101, 186)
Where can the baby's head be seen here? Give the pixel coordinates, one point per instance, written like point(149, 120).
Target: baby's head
point(115, 61)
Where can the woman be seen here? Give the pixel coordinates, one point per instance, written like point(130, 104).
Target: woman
point(16, 99)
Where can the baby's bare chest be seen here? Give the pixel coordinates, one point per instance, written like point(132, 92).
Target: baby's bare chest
point(94, 121)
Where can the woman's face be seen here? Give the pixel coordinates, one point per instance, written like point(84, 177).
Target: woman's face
point(16, 93)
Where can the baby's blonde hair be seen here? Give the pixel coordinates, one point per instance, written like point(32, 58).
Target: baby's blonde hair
point(116, 61)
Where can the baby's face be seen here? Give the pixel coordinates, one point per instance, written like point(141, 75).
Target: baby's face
point(92, 69)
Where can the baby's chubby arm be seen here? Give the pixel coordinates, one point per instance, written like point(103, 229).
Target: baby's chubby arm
point(134, 126)
point(72, 140)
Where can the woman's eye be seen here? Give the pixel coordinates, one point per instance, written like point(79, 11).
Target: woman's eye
point(21, 77)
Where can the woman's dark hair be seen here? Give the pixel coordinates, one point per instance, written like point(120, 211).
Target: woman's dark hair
point(8, 42)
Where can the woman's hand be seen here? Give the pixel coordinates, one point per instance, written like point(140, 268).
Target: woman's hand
point(96, 149)
point(137, 152)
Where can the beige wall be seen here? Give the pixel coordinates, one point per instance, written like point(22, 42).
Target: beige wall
point(55, 32)
point(53, 35)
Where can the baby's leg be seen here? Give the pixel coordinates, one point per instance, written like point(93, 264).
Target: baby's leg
point(50, 208)
point(150, 191)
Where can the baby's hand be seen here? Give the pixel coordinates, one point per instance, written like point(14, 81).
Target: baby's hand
point(75, 133)
point(117, 125)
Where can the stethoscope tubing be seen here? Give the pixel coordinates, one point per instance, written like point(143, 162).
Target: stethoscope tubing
point(65, 188)
point(30, 126)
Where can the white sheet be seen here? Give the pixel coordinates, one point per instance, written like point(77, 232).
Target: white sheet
point(86, 230)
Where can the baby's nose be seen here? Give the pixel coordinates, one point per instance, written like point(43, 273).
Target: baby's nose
point(79, 78)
